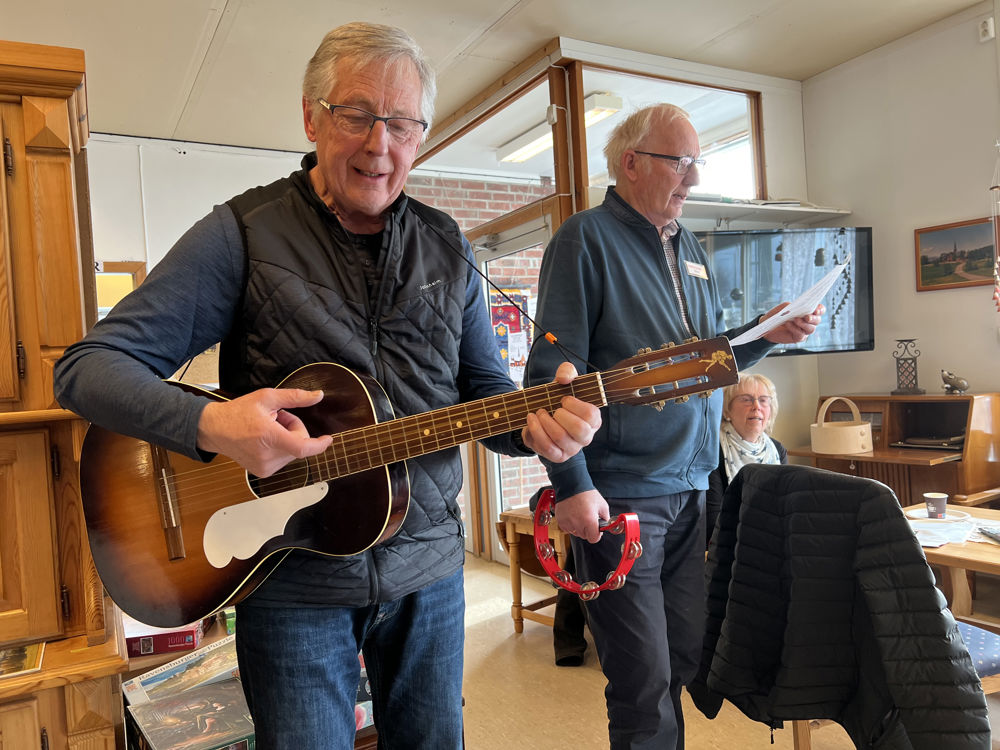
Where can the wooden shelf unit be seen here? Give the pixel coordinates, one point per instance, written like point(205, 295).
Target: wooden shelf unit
point(970, 475)
point(51, 591)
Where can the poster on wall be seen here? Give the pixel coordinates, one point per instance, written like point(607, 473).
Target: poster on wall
point(512, 329)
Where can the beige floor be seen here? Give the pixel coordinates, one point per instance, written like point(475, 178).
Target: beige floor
point(515, 696)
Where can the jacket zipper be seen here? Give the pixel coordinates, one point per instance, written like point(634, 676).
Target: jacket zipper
point(374, 589)
point(373, 335)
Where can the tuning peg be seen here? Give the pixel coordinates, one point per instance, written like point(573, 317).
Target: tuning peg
point(658, 405)
point(645, 350)
point(668, 346)
point(691, 340)
point(681, 399)
point(704, 394)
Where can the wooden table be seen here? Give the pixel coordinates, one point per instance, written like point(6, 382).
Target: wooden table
point(519, 524)
point(954, 560)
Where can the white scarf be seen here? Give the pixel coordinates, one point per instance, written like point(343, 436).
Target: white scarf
point(738, 452)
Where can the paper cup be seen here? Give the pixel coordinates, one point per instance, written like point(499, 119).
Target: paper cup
point(937, 504)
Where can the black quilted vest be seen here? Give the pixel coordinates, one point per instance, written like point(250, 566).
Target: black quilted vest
point(306, 300)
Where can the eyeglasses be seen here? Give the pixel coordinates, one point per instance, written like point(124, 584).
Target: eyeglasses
point(354, 121)
point(747, 400)
point(682, 164)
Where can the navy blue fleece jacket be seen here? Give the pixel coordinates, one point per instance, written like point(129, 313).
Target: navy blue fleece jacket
point(605, 292)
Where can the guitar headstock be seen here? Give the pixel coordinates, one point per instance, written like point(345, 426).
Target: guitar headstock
point(672, 373)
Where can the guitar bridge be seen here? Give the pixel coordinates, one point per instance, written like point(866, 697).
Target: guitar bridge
point(166, 499)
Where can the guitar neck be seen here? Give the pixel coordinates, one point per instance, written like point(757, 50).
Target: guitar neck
point(366, 448)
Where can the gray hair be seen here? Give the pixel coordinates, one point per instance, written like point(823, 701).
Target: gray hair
point(366, 43)
point(748, 379)
point(631, 131)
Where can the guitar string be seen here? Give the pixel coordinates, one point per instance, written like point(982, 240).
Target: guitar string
point(437, 420)
point(280, 477)
point(188, 484)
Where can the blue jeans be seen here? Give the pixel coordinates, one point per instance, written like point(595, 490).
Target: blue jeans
point(299, 668)
point(649, 633)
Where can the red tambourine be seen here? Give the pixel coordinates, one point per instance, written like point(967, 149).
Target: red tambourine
point(627, 523)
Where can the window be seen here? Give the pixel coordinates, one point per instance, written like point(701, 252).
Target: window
point(470, 178)
point(722, 119)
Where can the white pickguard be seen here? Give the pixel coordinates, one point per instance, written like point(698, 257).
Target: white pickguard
point(238, 531)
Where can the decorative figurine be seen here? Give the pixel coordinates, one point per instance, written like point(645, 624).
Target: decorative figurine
point(953, 383)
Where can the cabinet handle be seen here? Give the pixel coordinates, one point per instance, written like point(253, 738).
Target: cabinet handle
point(21, 361)
point(44, 740)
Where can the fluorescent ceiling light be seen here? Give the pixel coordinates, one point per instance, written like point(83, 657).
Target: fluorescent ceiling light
point(596, 107)
point(527, 145)
point(600, 106)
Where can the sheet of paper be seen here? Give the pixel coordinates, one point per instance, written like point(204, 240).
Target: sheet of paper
point(804, 304)
point(935, 533)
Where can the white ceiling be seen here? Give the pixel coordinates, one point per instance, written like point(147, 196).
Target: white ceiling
point(229, 71)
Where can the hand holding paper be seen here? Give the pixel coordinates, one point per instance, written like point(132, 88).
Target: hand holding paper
point(807, 303)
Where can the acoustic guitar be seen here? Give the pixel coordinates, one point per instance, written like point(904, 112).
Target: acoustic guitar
point(175, 539)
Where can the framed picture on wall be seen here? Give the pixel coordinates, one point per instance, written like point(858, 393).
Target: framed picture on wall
point(955, 255)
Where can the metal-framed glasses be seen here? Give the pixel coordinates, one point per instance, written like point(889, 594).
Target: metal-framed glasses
point(355, 121)
point(682, 164)
point(745, 399)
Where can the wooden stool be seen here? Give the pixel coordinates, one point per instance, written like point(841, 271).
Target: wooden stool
point(517, 531)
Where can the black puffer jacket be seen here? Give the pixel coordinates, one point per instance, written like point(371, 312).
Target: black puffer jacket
point(821, 605)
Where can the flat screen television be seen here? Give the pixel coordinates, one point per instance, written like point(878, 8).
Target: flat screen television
point(758, 269)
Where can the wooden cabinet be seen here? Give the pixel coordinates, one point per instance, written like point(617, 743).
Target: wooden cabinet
point(43, 287)
point(49, 588)
point(29, 609)
point(73, 702)
point(969, 471)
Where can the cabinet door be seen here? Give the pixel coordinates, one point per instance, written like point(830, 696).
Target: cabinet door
point(44, 247)
point(8, 338)
point(19, 724)
point(29, 590)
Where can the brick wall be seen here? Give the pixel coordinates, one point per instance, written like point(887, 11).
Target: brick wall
point(472, 201)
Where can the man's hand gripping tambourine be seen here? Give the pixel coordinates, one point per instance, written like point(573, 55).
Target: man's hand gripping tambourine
point(627, 523)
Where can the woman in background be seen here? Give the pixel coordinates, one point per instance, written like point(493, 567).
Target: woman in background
point(748, 411)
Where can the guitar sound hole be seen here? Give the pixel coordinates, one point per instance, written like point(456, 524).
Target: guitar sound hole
point(290, 477)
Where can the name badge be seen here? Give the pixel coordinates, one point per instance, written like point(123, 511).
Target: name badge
point(696, 269)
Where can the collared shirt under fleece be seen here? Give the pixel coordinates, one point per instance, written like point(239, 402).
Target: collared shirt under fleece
point(608, 293)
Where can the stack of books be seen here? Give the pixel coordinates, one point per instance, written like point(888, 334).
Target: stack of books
point(209, 717)
point(196, 702)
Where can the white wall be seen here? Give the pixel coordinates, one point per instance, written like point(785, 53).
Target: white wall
point(905, 137)
point(146, 193)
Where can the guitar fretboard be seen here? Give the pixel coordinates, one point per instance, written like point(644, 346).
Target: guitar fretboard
point(366, 448)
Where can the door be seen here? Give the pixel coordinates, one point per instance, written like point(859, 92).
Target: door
point(28, 584)
point(511, 259)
